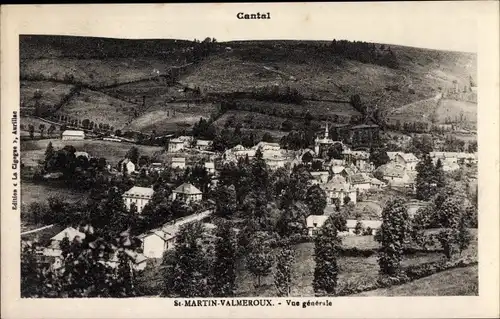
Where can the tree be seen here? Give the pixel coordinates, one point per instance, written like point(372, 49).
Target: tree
point(51, 129)
point(42, 129)
point(316, 200)
point(267, 138)
point(224, 268)
point(133, 154)
point(49, 152)
point(225, 200)
point(393, 233)
point(188, 271)
point(326, 250)
point(378, 156)
point(31, 129)
point(283, 273)
point(439, 174)
point(358, 229)
point(259, 259)
point(426, 185)
point(454, 235)
point(307, 157)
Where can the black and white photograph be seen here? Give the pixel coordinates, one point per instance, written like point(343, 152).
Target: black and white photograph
point(232, 168)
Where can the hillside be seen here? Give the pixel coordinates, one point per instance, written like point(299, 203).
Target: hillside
point(130, 83)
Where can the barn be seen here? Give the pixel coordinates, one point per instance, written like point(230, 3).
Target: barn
point(71, 135)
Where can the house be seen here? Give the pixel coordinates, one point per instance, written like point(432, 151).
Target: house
point(397, 175)
point(275, 162)
point(347, 172)
point(127, 166)
point(336, 170)
point(376, 183)
point(237, 152)
point(72, 135)
point(140, 196)
point(157, 167)
point(179, 162)
point(155, 242)
point(266, 146)
point(337, 193)
point(84, 154)
point(314, 223)
point(175, 145)
point(138, 260)
point(409, 160)
point(361, 181)
point(187, 193)
point(321, 177)
point(52, 254)
point(454, 157)
point(374, 225)
point(360, 159)
point(210, 167)
point(203, 145)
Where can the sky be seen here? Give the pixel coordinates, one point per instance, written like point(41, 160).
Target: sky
point(435, 25)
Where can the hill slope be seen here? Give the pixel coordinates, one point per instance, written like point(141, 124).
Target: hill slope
point(129, 70)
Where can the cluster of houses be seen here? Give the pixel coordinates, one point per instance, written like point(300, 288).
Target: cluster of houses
point(343, 180)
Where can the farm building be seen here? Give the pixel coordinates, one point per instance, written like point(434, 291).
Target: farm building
point(203, 145)
point(315, 222)
point(72, 135)
point(337, 193)
point(409, 160)
point(187, 193)
point(179, 162)
point(361, 181)
point(397, 174)
point(140, 196)
point(265, 146)
point(210, 167)
point(321, 177)
point(156, 241)
point(175, 145)
point(127, 166)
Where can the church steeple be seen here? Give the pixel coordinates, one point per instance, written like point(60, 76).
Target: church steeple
point(326, 130)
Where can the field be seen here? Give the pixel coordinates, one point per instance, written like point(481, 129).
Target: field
point(453, 282)
point(352, 270)
point(95, 72)
point(50, 93)
point(452, 109)
point(34, 192)
point(112, 151)
point(99, 108)
point(153, 92)
point(163, 121)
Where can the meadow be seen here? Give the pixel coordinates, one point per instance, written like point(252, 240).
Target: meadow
point(453, 282)
point(112, 151)
point(99, 108)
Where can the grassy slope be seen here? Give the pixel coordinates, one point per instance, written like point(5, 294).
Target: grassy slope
point(99, 108)
point(250, 64)
point(454, 282)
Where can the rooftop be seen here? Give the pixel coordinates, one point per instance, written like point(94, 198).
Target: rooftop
point(137, 191)
point(70, 233)
point(316, 220)
point(73, 132)
point(188, 189)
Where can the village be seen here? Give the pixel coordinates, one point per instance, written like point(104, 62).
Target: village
point(351, 179)
point(178, 168)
